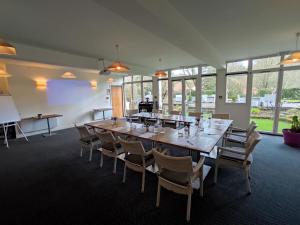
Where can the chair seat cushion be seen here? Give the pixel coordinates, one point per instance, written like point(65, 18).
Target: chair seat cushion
point(175, 177)
point(110, 146)
point(89, 139)
point(235, 156)
point(137, 159)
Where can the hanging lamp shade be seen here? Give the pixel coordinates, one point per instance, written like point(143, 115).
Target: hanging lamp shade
point(160, 73)
point(294, 57)
point(6, 48)
point(68, 75)
point(3, 72)
point(117, 66)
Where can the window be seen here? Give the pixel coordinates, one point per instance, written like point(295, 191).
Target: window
point(290, 99)
point(163, 95)
point(136, 94)
point(188, 71)
point(147, 91)
point(208, 94)
point(239, 66)
point(263, 102)
point(147, 78)
point(128, 79)
point(208, 70)
point(177, 95)
point(190, 96)
point(136, 77)
point(236, 88)
point(292, 64)
point(266, 63)
point(127, 95)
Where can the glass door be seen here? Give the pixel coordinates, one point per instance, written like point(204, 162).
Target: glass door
point(263, 102)
point(290, 99)
point(208, 95)
point(177, 95)
point(190, 96)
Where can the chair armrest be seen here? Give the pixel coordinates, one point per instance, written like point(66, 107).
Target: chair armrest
point(228, 149)
point(239, 135)
point(199, 165)
point(238, 129)
point(148, 152)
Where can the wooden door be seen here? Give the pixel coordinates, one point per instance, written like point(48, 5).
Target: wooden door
point(117, 101)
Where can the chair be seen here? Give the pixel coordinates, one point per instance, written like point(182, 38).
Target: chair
point(238, 156)
point(87, 140)
point(223, 116)
point(240, 136)
point(173, 112)
point(109, 147)
point(131, 112)
point(136, 158)
point(195, 114)
point(177, 174)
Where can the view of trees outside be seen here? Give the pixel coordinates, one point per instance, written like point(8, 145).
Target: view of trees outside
point(177, 95)
point(147, 78)
point(240, 66)
point(136, 78)
point(290, 99)
point(190, 96)
point(208, 92)
point(147, 90)
point(186, 71)
point(263, 101)
point(136, 95)
point(128, 95)
point(208, 70)
point(236, 88)
point(163, 95)
point(266, 63)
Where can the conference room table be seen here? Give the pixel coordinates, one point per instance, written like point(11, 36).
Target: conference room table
point(165, 117)
point(201, 141)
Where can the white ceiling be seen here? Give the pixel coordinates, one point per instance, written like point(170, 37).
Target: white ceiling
point(180, 32)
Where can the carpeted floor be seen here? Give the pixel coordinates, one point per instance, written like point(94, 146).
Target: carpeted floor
point(46, 182)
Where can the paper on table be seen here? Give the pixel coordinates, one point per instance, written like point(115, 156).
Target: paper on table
point(147, 135)
point(118, 128)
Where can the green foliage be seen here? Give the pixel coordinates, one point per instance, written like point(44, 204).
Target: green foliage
point(292, 93)
point(264, 91)
point(255, 111)
point(295, 125)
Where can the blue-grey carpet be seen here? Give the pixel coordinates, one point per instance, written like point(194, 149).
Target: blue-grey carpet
point(46, 182)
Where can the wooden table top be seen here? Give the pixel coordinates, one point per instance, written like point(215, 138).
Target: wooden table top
point(42, 117)
point(201, 141)
point(179, 118)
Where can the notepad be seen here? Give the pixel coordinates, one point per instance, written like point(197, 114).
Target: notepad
point(147, 135)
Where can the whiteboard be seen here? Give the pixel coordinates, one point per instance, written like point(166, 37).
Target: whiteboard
point(8, 110)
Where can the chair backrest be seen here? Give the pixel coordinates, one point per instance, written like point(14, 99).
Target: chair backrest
point(252, 126)
point(132, 147)
point(83, 131)
point(196, 114)
point(107, 140)
point(130, 112)
point(173, 112)
point(176, 164)
point(252, 141)
point(224, 116)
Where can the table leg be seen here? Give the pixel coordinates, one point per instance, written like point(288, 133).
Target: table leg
point(103, 115)
point(49, 129)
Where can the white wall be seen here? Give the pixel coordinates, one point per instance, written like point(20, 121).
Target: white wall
point(30, 101)
point(240, 113)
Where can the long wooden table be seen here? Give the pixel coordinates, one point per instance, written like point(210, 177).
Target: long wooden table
point(177, 118)
point(199, 141)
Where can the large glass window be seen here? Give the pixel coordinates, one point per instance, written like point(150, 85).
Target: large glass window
point(290, 99)
point(127, 95)
point(136, 77)
point(236, 88)
point(147, 91)
point(136, 94)
point(239, 66)
point(177, 95)
point(128, 78)
point(208, 70)
point(263, 102)
point(266, 63)
point(163, 95)
point(147, 78)
point(188, 71)
point(208, 94)
point(190, 96)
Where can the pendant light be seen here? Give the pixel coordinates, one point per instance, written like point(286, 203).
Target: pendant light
point(160, 73)
point(117, 66)
point(294, 57)
point(68, 75)
point(6, 48)
point(3, 73)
